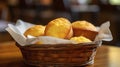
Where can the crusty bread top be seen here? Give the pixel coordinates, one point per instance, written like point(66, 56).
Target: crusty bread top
point(59, 27)
point(84, 25)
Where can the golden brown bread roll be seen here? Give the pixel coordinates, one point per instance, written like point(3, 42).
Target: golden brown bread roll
point(84, 28)
point(60, 28)
point(37, 30)
point(80, 39)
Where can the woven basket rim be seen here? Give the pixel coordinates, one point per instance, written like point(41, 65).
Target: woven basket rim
point(58, 46)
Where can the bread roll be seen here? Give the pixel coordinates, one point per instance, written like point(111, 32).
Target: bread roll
point(80, 39)
point(37, 30)
point(84, 28)
point(60, 28)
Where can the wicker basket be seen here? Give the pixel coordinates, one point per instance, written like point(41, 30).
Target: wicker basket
point(60, 54)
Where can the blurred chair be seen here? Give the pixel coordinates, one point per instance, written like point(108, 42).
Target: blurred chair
point(4, 16)
point(3, 12)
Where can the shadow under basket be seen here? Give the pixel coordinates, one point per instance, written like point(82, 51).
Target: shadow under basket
point(59, 54)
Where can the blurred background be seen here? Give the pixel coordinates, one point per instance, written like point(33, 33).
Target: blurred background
point(43, 11)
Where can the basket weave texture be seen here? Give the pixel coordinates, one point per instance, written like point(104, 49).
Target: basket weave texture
point(60, 54)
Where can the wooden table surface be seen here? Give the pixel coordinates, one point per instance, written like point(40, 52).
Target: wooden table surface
point(10, 56)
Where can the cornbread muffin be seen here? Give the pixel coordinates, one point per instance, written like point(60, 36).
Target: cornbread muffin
point(37, 30)
point(84, 28)
point(80, 39)
point(60, 28)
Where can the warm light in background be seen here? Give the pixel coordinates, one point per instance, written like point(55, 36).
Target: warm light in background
point(114, 2)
